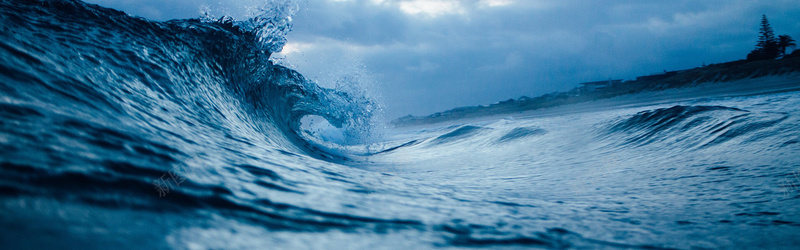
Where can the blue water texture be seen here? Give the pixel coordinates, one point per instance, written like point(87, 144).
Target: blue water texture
point(121, 132)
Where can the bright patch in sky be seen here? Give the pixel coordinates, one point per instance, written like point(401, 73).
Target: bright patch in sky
point(496, 3)
point(431, 8)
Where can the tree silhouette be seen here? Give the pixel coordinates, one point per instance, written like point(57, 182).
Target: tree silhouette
point(785, 41)
point(766, 38)
point(767, 47)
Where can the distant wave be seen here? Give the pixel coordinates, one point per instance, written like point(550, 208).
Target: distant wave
point(694, 126)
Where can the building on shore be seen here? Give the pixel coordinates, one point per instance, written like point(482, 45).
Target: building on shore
point(588, 87)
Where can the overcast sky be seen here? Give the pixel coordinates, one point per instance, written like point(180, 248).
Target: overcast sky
point(424, 56)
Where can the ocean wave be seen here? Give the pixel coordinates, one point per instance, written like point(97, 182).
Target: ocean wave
point(120, 131)
point(694, 126)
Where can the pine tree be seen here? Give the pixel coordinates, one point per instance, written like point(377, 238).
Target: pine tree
point(767, 47)
point(766, 36)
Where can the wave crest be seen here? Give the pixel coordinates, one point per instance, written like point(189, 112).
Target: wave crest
point(690, 126)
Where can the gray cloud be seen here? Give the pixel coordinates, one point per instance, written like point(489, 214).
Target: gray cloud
point(470, 53)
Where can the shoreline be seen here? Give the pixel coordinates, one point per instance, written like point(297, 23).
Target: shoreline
point(745, 87)
point(735, 78)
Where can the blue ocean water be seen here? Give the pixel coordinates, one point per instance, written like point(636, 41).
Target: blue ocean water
point(120, 132)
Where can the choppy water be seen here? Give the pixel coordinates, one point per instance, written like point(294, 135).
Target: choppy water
point(122, 132)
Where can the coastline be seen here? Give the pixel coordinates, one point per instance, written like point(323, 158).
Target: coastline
point(747, 87)
point(738, 78)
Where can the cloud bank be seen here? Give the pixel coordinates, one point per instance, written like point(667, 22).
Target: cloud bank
point(431, 55)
